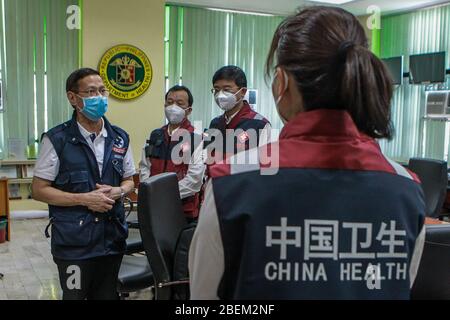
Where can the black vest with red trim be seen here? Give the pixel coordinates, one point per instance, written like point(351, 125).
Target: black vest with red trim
point(159, 151)
point(337, 221)
point(244, 120)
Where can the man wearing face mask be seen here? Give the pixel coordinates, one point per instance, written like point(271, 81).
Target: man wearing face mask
point(158, 156)
point(83, 172)
point(230, 87)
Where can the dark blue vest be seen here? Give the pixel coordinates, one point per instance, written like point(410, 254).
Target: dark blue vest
point(337, 221)
point(272, 228)
point(77, 232)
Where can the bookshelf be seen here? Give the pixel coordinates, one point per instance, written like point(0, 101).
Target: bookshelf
point(4, 205)
point(20, 175)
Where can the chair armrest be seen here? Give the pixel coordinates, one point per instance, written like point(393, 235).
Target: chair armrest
point(128, 205)
point(133, 224)
point(172, 283)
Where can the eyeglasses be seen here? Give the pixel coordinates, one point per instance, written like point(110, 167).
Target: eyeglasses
point(93, 92)
point(216, 91)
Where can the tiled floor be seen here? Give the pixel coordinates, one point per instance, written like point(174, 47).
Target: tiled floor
point(28, 267)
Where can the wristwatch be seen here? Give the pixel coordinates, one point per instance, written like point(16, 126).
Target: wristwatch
point(122, 194)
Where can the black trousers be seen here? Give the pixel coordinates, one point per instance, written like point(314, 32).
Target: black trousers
point(91, 279)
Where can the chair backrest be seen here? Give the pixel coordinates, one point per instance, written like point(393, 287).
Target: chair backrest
point(433, 277)
point(433, 174)
point(161, 219)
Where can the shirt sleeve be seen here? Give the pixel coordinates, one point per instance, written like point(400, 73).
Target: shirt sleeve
point(192, 182)
point(206, 256)
point(144, 166)
point(47, 164)
point(417, 255)
point(264, 137)
point(128, 163)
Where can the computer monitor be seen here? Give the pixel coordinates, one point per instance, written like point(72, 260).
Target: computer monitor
point(427, 68)
point(252, 97)
point(395, 67)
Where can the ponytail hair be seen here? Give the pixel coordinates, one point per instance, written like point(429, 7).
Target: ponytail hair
point(326, 51)
point(365, 91)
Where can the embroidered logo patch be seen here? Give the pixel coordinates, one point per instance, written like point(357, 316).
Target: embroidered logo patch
point(243, 137)
point(118, 146)
point(119, 143)
point(185, 147)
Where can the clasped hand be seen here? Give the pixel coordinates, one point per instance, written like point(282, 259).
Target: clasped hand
point(103, 198)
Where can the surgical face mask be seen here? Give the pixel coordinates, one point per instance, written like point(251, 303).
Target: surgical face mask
point(278, 100)
point(174, 114)
point(227, 100)
point(94, 107)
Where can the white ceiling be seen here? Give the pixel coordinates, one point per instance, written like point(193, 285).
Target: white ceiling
point(285, 7)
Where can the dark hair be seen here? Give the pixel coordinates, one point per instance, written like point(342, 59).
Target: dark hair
point(326, 51)
point(182, 88)
point(232, 73)
point(77, 75)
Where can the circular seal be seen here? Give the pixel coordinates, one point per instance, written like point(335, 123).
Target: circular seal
point(126, 71)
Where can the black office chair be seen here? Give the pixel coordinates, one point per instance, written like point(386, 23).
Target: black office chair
point(134, 241)
point(135, 273)
point(162, 225)
point(433, 277)
point(433, 174)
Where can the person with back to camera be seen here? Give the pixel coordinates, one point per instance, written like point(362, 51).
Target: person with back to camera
point(338, 220)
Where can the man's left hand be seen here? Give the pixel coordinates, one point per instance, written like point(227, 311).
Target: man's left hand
point(111, 192)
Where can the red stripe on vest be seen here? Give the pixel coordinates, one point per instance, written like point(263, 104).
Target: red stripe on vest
point(323, 139)
point(190, 204)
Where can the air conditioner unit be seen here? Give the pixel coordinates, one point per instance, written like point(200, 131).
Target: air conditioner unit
point(437, 104)
point(447, 109)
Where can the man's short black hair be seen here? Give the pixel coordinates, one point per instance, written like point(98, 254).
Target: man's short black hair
point(77, 75)
point(182, 88)
point(232, 73)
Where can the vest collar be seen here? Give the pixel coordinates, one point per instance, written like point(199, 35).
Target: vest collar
point(76, 136)
point(245, 112)
point(86, 134)
point(322, 123)
point(185, 124)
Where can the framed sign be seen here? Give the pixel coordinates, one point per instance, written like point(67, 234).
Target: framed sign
point(126, 71)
